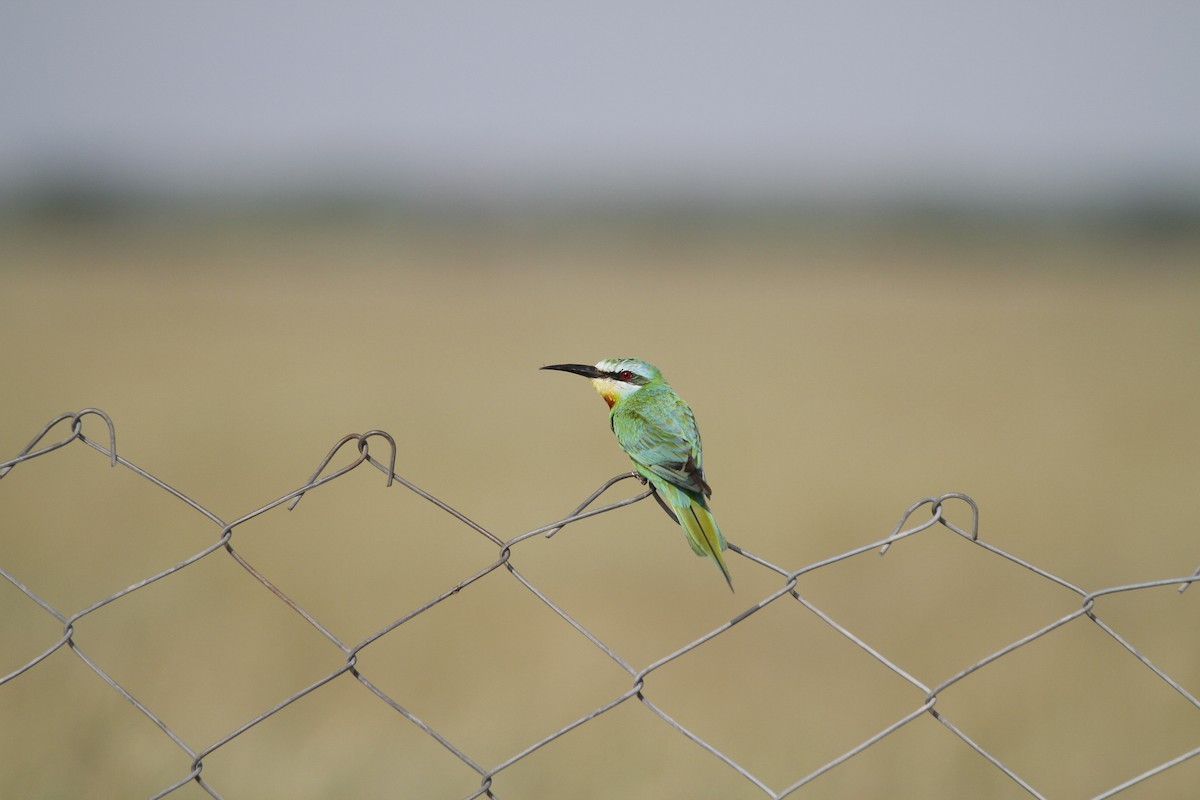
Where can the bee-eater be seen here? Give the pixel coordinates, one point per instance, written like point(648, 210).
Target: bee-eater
point(657, 430)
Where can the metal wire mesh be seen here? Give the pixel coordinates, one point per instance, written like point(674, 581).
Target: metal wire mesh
point(922, 515)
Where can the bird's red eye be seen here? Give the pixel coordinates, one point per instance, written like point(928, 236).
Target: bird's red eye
point(625, 375)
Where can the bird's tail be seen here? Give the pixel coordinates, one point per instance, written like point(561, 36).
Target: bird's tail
point(701, 530)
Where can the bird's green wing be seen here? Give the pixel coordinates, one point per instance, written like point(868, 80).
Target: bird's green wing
point(658, 431)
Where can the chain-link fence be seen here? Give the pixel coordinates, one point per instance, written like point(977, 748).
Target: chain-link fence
point(378, 449)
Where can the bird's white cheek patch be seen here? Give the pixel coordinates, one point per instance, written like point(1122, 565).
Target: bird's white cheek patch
point(612, 391)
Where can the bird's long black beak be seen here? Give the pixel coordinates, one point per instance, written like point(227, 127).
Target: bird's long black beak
point(586, 370)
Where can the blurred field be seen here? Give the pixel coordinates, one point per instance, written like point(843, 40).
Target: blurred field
point(836, 377)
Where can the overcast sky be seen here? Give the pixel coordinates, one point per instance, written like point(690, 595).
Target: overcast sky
point(487, 98)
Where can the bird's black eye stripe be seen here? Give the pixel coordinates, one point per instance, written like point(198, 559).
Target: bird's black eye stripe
point(626, 376)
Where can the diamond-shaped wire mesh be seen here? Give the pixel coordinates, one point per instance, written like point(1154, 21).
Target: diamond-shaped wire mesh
point(59, 646)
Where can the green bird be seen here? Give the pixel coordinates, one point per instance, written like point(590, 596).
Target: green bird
point(657, 430)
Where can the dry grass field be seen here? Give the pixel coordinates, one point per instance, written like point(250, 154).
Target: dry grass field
point(836, 377)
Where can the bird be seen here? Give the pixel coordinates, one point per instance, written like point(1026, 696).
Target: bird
point(657, 430)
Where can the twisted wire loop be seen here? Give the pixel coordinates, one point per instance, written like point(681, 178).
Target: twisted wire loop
point(639, 689)
point(76, 418)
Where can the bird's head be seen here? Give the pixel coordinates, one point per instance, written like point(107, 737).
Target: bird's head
point(614, 378)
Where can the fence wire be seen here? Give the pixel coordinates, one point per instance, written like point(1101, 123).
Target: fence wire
point(920, 516)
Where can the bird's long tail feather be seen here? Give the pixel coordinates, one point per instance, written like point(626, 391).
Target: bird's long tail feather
point(701, 530)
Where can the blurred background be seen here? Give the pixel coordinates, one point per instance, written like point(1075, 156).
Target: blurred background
point(885, 251)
